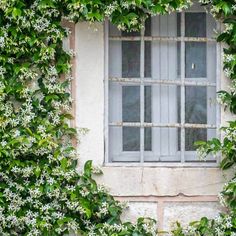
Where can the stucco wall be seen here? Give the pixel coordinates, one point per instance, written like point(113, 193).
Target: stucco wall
point(167, 194)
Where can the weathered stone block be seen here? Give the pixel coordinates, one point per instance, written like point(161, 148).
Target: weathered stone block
point(186, 212)
point(140, 209)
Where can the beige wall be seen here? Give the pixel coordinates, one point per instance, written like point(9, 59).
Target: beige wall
point(165, 193)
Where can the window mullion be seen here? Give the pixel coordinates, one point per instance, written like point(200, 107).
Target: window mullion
point(142, 56)
point(182, 138)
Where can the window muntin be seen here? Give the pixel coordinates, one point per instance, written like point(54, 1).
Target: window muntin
point(162, 89)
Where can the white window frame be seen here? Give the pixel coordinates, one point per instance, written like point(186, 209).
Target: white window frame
point(141, 82)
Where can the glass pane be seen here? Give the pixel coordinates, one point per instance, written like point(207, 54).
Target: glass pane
point(131, 34)
point(195, 24)
point(148, 30)
point(147, 60)
point(148, 117)
point(113, 30)
point(164, 59)
point(148, 139)
point(115, 106)
point(131, 139)
point(116, 147)
point(193, 135)
point(131, 103)
point(164, 145)
point(178, 60)
point(115, 60)
point(148, 104)
point(164, 25)
point(130, 59)
point(178, 104)
point(164, 104)
point(196, 105)
point(178, 24)
point(195, 60)
point(179, 139)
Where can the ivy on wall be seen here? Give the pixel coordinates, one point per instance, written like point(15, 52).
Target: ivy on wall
point(41, 192)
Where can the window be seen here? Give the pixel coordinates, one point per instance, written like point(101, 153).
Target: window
point(162, 88)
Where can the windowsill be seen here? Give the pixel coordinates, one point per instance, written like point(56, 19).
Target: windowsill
point(165, 165)
point(168, 180)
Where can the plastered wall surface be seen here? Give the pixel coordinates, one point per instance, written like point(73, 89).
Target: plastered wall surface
point(163, 193)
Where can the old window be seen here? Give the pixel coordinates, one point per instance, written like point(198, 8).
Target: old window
point(162, 88)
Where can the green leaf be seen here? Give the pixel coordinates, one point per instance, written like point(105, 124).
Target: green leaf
point(88, 168)
point(113, 210)
point(37, 171)
point(51, 97)
point(86, 206)
point(64, 163)
point(226, 163)
point(16, 12)
point(222, 37)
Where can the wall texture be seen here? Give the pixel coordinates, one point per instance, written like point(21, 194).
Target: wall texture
point(165, 193)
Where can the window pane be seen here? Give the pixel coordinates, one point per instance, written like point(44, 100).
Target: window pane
point(148, 29)
point(148, 139)
point(164, 147)
point(131, 103)
point(116, 153)
point(115, 61)
point(196, 105)
point(130, 59)
point(164, 25)
point(115, 104)
point(179, 104)
point(164, 103)
point(196, 135)
point(130, 34)
point(148, 104)
point(131, 139)
point(195, 24)
point(148, 117)
point(147, 62)
point(178, 24)
point(164, 59)
point(193, 135)
point(113, 30)
point(178, 60)
point(195, 60)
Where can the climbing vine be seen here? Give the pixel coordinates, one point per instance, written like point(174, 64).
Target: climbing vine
point(41, 191)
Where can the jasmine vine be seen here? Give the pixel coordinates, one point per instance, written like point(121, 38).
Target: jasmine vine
point(41, 191)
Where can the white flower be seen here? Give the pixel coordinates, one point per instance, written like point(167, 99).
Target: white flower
point(16, 134)
point(228, 27)
point(228, 72)
point(228, 57)
point(96, 170)
point(41, 24)
point(41, 129)
point(222, 199)
point(56, 119)
point(2, 42)
point(228, 222)
point(111, 8)
point(205, 1)
point(2, 71)
point(3, 143)
point(218, 219)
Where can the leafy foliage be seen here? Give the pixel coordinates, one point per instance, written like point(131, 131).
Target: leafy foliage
point(41, 192)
